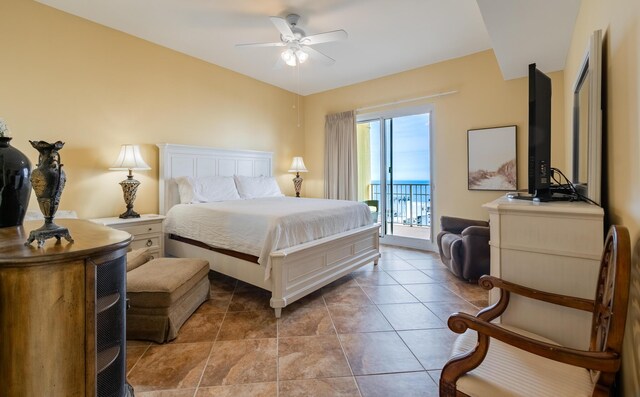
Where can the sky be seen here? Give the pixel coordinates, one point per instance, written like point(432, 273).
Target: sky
point(410, 148)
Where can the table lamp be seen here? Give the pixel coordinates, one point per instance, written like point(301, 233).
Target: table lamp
point(297, 166)
point(130, 159)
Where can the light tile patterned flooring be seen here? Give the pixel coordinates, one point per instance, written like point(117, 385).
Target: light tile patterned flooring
point(380, 331)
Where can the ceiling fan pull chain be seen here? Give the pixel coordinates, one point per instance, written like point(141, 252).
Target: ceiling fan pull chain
point(298, 92)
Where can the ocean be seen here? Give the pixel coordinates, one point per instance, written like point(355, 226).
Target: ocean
point(404, 182)
point(409, 201)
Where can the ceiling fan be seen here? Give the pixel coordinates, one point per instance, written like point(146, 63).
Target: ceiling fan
point(297, 43)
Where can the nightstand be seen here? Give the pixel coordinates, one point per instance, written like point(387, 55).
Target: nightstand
point(146, 231)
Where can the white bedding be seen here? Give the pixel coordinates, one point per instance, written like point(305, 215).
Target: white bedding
point(260, 226)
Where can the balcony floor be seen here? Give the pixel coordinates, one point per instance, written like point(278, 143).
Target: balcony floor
point(421, 232)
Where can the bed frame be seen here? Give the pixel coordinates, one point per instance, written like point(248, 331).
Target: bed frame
point(296, 271)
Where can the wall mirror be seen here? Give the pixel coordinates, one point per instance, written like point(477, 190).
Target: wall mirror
point(587, 122)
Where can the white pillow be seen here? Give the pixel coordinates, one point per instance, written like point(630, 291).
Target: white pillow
point(251, 187)
point(206, 189)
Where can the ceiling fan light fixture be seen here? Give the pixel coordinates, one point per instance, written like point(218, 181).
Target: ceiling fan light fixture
point(289, 57)
point(302, 56)
point(295, 41)
point(291, 61)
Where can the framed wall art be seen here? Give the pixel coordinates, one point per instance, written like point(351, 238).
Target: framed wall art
point(492, 158)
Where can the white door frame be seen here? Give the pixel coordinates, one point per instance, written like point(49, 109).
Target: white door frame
point(428, 245)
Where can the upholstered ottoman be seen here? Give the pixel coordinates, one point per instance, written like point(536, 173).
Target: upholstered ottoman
point(162, 294)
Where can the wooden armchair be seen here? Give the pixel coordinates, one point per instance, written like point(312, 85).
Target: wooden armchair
point(499, 360)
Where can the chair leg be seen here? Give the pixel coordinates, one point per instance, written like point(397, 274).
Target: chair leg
point(447, 389)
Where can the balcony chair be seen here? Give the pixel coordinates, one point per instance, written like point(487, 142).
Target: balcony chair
point(464, 247)
point(373, 206)
point(498, 360)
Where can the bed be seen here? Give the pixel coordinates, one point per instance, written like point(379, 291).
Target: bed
point(289, 273)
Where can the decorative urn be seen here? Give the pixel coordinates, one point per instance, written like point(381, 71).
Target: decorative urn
point(48, 179)
point(15, 186)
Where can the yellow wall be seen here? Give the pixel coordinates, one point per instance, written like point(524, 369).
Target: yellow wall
point(364, 161)
point(620, 24)
point(65, 78)
point(484, 99)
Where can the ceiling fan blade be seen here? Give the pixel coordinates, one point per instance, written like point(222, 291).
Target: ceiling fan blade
point(319, 56)
point(278, 44)
point(325, 37)
point(283, 27)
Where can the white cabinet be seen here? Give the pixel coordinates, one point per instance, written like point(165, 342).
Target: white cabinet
point(553, 247)
point(146, 231)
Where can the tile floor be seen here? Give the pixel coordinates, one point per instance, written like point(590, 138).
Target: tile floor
point(380, 331)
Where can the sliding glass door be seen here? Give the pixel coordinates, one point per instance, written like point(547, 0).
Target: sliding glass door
point(394, 173)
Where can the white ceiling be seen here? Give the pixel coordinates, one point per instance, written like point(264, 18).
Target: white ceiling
point(526, 31)
point(385, 37)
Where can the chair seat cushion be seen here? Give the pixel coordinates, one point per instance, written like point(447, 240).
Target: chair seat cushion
point(161, 282)
point(509, 371)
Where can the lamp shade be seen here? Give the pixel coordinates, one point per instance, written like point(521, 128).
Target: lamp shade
point(130, 159)
point(302, 56)
point(297, 165)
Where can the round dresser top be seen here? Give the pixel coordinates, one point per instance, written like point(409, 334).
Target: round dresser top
point(89, 239)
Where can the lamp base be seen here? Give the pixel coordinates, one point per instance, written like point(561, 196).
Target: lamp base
point(129, 213)
point(129, 189)
point(297, 184)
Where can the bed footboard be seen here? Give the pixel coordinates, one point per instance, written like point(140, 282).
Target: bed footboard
point(295, 271)
point(300, 270)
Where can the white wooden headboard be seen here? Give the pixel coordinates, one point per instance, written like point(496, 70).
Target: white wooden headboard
point(197, 161)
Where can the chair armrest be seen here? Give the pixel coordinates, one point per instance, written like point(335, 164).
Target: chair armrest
point(457, 225)
point(439, 242)
point(599, 361)
point(481, 231)
point(489, 282)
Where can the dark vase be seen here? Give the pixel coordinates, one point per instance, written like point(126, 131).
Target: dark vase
point(48, 181)
point(48, 178)
point(15, 184)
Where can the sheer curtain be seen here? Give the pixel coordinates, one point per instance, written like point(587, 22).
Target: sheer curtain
point(340, 156)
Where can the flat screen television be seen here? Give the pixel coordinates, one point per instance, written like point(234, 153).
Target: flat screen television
point(539, 135)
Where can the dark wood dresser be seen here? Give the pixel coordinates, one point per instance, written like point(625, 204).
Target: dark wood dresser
point(62, 312)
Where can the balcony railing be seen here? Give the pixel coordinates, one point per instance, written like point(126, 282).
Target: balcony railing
point(407, 203)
